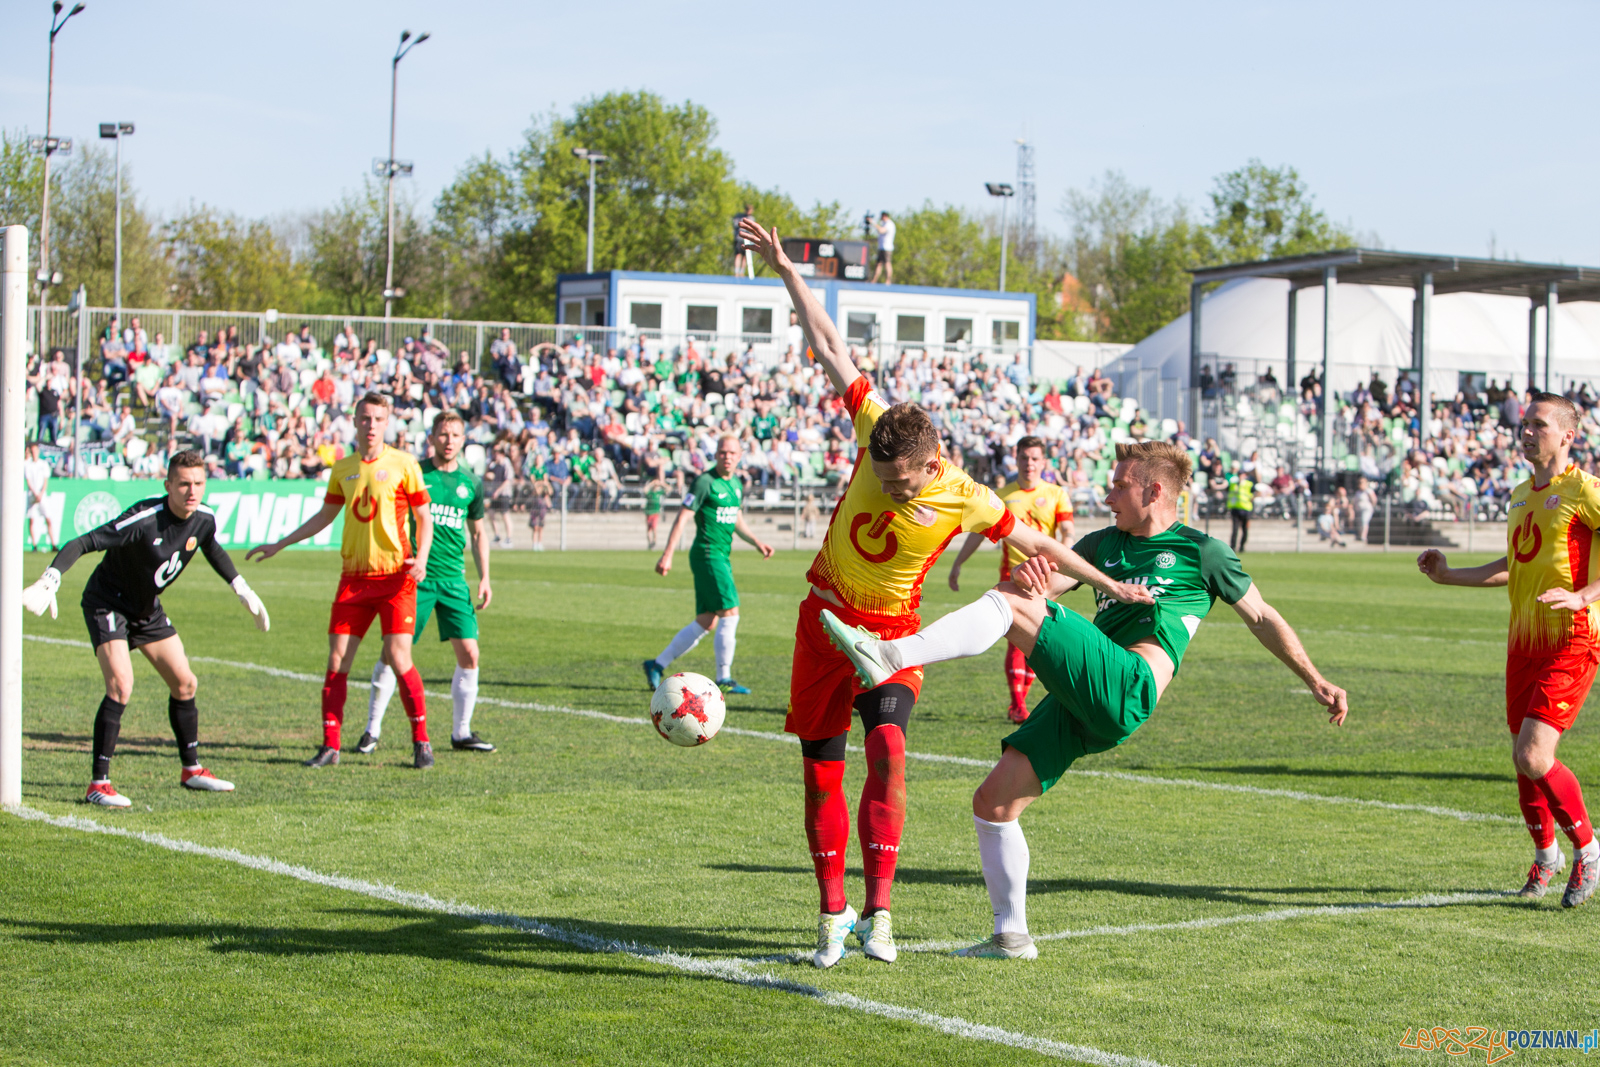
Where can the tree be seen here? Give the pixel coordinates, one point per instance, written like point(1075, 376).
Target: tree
point(471, 220)
point(1261, 212)
point(22, 186)
point(83, 234)
point(348, 255)
point(227, 262)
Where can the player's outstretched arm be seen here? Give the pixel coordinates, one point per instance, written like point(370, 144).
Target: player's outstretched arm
point(968, 547)
point(821, 334)
point(1489, 576)
point(41, 595)
point(310, 528)
point(222, 563)
point(749, 538)
point(480, 559)
point(1074, 566)
point(1280, 639)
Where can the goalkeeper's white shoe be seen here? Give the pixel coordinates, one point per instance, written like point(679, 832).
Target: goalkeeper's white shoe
point(1006, 946)
point(861, 646)
point(831, 932)
point(877, 937)
point(203, 781)
point(103, 795)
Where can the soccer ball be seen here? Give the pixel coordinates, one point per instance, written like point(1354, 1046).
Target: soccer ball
point(688, 709)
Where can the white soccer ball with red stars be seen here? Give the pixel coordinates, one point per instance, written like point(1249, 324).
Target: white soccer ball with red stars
point(688, 709)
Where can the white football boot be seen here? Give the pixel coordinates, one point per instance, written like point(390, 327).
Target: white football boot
point(876, 935)
point(1003, 947)
point(105, 796)
point(204, 781)
point(831, 932)
point(861, 646)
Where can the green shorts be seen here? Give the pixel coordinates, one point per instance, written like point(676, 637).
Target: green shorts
point(451, 598)
point(713, 584)
point(1099, 694)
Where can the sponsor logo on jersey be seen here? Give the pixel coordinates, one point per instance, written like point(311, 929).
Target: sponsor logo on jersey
point(188, 546)
point(463, 492)
point(1518, 504)
point(880, 528)
point(383, 476)
point(727, 516)
point(169, 571)
point(1165, 560)
point(1528, 532)
point(924, 515)
point(1552, 501)
point(364, 501)
point(351, 477)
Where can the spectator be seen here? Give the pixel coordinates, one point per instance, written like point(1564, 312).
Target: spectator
point(885, 264)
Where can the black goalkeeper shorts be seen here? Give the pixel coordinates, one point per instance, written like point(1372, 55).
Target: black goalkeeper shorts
point(106, 624)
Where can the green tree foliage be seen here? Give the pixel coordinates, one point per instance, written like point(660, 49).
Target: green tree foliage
point(471, 221)
point(226, 262)
point(22, 186)
point(1261, 212)
point(348, 255)
point(83, 234)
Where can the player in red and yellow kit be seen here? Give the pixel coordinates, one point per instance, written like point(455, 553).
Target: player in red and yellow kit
point(1046, 507)
point(1554, 642)
point(377, 488)
point(899, 512)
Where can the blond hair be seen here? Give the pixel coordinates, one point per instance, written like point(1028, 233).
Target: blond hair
point(1158, 461)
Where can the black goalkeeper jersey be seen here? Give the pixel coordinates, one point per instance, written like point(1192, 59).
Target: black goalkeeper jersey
point(146, 548)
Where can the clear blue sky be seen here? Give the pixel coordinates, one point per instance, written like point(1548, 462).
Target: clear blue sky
point(1430, 125)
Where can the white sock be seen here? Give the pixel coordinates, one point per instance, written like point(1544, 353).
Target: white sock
point(723, 642)
point(1591, 851)
point(463, 698)
point(968, 631)
point(1549, 855)
point(686, 639)
point(1005, 872)
point(383, 686)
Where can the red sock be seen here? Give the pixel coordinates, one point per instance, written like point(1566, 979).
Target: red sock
point(1536, 812)
point(415, 703)
point(827, 827)
point(882, 815)
point(1560, 788)
point(1018, 675)
point(333, 691)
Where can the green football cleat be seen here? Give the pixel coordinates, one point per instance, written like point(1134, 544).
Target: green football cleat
point(1002, 947)
point(861, 646)
point(877, 937)
point(831, 932)
point(652, 674)
point(733, 688)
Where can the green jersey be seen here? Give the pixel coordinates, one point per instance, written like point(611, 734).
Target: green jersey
point(454, 498)
point(1184, 569)
point(652, 501)
point(715, 503)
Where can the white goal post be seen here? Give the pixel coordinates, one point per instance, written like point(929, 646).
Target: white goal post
point(13, 367)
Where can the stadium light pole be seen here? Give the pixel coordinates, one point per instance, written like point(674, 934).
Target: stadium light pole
point(50, 145)
point(1005, 193)
point(13, 365)
point(116, 131)
point(593, 158)
point(390, 170)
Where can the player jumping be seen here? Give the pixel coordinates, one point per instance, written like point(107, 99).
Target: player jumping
point(1103, 679)
point(714, 500)
point(893, 521)
point(456, 506)
point(376, 488)
point(146, 548)
point(1554, 639)
point(1047, 508)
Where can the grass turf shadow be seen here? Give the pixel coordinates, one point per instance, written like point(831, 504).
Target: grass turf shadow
point(1277, 770)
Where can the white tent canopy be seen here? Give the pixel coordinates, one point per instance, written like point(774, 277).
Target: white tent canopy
point(1245, 322)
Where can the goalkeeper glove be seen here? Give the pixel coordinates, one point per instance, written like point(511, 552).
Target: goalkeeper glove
point(42, 594)
point(252, 603)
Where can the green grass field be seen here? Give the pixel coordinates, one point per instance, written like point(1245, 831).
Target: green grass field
point(118, 951)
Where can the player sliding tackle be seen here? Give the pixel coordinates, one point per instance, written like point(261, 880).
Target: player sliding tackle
point(1554, 637)
point(1103, 679)
point(903, 506)
point(146, 548)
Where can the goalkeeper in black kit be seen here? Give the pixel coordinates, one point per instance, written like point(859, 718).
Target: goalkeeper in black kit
point(146, 548)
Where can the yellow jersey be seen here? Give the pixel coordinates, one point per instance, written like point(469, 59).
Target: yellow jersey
point(1044, 507)
point(876, 551)
point(1550, 533)
point(378, 497)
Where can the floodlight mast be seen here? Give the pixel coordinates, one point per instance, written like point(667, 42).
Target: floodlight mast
point(389, 292)
point(110, 131)
point(57, 21)
point(1005, 193)
point(593, 158)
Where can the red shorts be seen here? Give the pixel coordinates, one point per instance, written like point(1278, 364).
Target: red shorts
point(1548, 688)
point(391, 599)
point(652, 522)
point(822, 683)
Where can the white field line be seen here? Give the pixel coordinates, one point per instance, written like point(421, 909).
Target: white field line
point(1314, 911)
point(925, 757)
point(735, 971)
